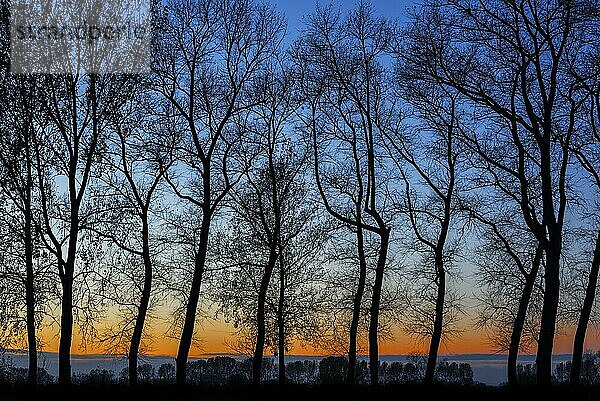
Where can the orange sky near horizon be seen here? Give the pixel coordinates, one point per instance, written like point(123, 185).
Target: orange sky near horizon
point(215, 334)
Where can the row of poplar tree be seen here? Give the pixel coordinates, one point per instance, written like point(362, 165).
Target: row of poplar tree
point(326, 189)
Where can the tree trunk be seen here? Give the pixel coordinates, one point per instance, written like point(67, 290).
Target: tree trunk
point(260, 317)
point(517, 330)
point(136, 337)
point(553, 251)
point(66, 279)
point(584, 317)
point(66, 318)
point(438, 322)
point(31, 336)
point(281, 321)
point(549, 310)
point(32, 374)
point(187, 333)
point(360, 290)
point(281, 349)
point(374, 322)
point(66, 329)
point(440, 272)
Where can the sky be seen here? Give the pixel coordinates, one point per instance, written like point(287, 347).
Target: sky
point(215, 334)
point(295, 10)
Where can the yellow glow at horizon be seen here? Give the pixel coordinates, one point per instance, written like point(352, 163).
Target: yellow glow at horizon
point(214, 334)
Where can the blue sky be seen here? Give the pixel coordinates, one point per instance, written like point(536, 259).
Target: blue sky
point(294, 10)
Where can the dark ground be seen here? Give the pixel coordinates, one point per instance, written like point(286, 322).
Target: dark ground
point(268, 393)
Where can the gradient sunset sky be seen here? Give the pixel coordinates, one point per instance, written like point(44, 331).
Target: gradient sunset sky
point(214, 334)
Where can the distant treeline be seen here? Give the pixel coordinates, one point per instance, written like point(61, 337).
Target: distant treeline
point(332, 370)
point(228, 371)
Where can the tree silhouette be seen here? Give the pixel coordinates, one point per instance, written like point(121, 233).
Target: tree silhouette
point(343, 81)
point(325, 190)
point(273, 215)
point(429, 163)
point(17, 176)
point(75, 107)
point(17, 179)
point(511, 61)
point(209, 51)
point(510, 260)
point(587, 151)
point(136, 159)
point(74, 99)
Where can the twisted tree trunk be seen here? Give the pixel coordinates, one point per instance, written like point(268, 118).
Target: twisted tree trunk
point(187, 333)
point(375, 305)
point(438, 322)
point(517, 330)
point(584, 317)
point(136, 337)
point(260, 317)
point(358, 296)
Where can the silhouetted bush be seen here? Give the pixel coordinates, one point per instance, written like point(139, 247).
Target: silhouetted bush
point(562, 372)
point(10, 374)
point(45, 378)
point(219, 371)
point(124, 376)
point(146, 373)
point(5, 366)
point(526, 374)
point(269, 371)
point(361, 373)
point(302, 372)
point(224, 371)
point(166, 373)
point(194, 371)
point(15, 375)
point(333, 370)
point(454, 373)
point(95, 377)
point(397, 372)
point(19, 375)
point(390, 373)
point(590, 370)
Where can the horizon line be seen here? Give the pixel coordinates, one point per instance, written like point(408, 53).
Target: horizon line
point(215, 354)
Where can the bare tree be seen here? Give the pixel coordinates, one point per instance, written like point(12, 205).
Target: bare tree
point(131, 189)
point(344, 85)
point(76, 108)
point(275, 203)
point(75, 163)
point(17, 178)
point(511, 61)
point(291, 297)
point(17, 175)
point(429, 163)
point(509, 260)
point(275, 213)
point(587, 151)
point(208, 53)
